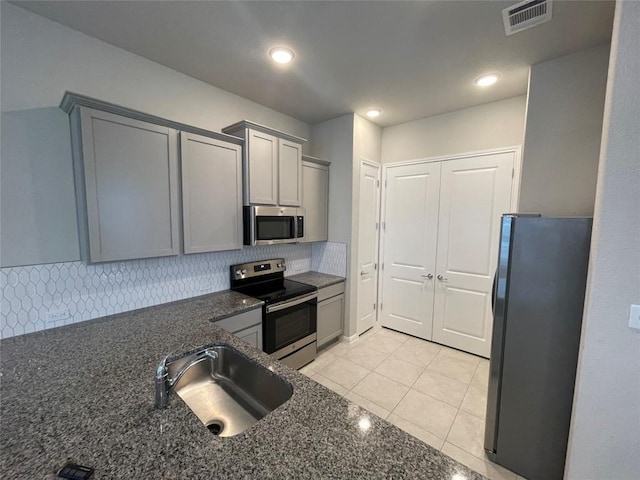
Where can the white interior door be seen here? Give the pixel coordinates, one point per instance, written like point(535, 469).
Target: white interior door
point(410, 237)
point(474, 193)
point(368, 246)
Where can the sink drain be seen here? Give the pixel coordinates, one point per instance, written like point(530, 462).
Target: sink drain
point(215, 427)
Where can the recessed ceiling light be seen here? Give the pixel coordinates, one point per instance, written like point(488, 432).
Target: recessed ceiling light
point(487, 80)
point(373, 112)
point(281, 54)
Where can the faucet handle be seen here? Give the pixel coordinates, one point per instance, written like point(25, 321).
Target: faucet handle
point(161, 370)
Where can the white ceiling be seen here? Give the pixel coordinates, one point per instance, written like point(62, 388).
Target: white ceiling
point(412, 59)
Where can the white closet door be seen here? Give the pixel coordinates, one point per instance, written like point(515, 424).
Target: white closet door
point(368, 246)
point(474, 193)
point(411, 219)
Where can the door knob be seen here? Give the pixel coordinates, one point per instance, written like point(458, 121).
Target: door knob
point(429, 276)
point(442, 278)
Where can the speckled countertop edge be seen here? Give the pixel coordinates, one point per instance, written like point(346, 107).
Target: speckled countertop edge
point(317, 279)
point(85, 392)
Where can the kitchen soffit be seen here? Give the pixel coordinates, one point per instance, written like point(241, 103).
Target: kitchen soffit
point(413, 59)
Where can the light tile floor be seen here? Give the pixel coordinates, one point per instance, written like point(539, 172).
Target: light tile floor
point(435, 393)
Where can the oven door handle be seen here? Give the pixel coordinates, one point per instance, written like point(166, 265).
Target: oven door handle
point(291, 303)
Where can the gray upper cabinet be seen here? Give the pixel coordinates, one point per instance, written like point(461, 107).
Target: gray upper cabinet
point(315, 198)
point(262, 168)
point(272, 165)
point(289, 173)
point(126, 174)
point(211, 194)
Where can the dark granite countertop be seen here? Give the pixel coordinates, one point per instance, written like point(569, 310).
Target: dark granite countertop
point(317, 279)
point(85, 392)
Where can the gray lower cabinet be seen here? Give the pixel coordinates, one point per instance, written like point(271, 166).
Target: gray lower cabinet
point(315, 198)
point(211, 194)
point(330, 313)
point(126, 174)
point(247, 326)
point(251, 335)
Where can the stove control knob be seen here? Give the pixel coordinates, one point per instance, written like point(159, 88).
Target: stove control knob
point(240, 272)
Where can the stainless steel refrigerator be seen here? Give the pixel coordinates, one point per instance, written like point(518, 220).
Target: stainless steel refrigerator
point(538, 301)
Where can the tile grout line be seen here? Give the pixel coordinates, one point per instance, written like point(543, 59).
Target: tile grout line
point(458, 413)
point(371, 371)
point(411, 388)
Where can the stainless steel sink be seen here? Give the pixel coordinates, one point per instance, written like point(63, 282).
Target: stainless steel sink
point(226, 390)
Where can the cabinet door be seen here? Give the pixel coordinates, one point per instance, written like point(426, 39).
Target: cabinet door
point(474, 193)
point(251, 335)
point(330, 318)
point(130, 176)
point(410, 239)
point(290, 173)
point(211, 194)
point(315, 200)
point(262, 160)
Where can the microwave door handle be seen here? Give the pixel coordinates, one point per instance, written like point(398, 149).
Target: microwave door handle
point(295, 227)
point(253, 227)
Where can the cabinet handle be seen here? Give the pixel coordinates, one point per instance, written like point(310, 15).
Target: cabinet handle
point(429, 276)
point(363, 273)
point(442, 279)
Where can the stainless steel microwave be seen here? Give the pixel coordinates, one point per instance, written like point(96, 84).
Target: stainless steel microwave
point(272, 225)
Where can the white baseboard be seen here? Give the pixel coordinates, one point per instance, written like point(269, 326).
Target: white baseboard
point(350, 339)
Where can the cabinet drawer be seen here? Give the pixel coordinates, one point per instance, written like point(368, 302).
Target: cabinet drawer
point(242, 321)
point(330, 291)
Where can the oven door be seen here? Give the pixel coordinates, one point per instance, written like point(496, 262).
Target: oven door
point(290, 322)
point(270, 225)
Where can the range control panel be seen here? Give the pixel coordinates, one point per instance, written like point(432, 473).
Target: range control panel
point(255, 269)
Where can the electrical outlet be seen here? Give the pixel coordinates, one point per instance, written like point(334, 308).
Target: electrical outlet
point(57, 315)
point(634, 317)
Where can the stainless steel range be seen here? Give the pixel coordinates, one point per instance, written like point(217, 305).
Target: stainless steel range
point(289, 315)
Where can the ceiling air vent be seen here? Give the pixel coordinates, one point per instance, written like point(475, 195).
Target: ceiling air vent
point(525, 15)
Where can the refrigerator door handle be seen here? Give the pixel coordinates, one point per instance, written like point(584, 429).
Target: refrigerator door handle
point(493, 292)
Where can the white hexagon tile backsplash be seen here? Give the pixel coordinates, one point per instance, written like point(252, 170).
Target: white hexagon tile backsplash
point(329, 257)
point(44, 296)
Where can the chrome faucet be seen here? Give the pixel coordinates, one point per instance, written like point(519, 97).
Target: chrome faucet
point(164, 383)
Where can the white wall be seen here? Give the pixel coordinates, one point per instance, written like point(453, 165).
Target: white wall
point(367, 145)
point(333, 141)
point(40, 60)
point(489, 126)
point(562, 140)
point(604, 442)
point(344, 141)
point(368, 139)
